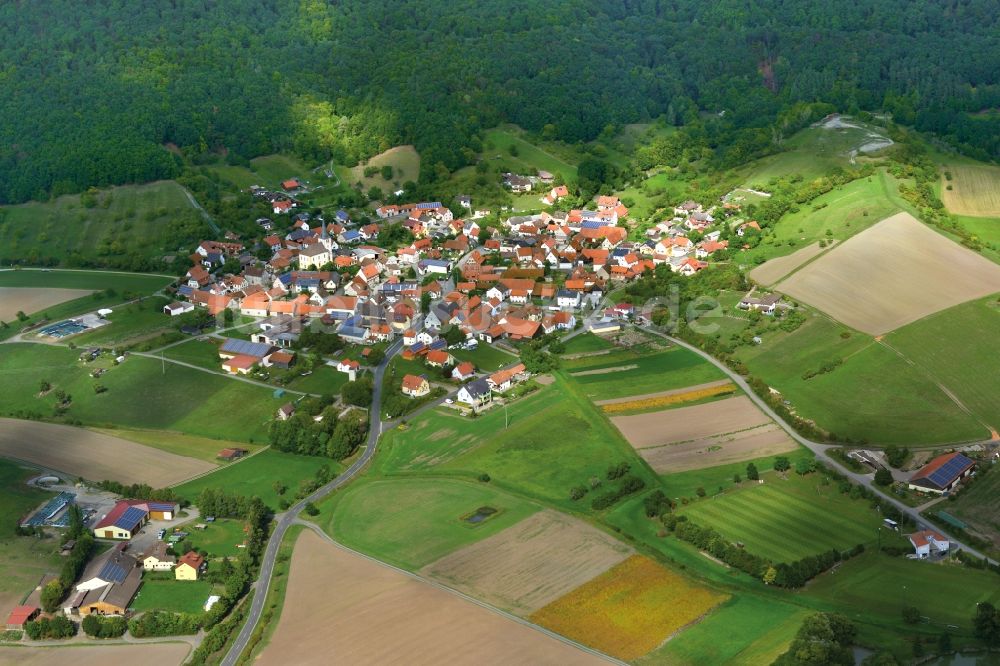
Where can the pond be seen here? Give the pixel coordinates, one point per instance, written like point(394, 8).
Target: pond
point(480, 515)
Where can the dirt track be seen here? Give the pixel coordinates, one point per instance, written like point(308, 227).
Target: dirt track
point(155, 654)
point(530, 564)
point(343, 608)
point(33, 299)
point(892, 274)
point(94, 456)
point(690, 423)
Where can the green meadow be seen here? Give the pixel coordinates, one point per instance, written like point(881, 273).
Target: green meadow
point(618, 377)
point(167, 594)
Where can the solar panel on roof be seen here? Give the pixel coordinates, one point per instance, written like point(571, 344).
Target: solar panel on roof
point(130, 518)
point(113, 571)
point(245, 347)
point(948, 471)
point(161, 506)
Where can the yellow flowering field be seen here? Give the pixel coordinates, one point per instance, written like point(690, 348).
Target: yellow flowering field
point(663, 400)
point(628, 610)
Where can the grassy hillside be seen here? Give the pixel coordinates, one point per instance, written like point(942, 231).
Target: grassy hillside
point(123, 227)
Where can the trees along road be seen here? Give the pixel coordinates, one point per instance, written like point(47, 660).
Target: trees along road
point(286, 519)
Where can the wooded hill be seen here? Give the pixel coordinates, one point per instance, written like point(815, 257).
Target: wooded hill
point(95, 92)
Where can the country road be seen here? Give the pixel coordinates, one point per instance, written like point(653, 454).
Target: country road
point(287, 519)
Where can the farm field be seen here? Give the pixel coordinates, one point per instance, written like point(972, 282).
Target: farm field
point(381, 615)
point(178, 596)
point(774, 269)
point(977, 505)
point(893, 274)
point(875, 395)
point(971, 369)
point(617, 377)
point(555, 425)
point(877, 587)
point(628, 610)
point(34, 299)
point(702, 435)
point(94, 456)
point(405, 163)
point(586, 342)
point(637, 404)
point(126, 220)
point(683, 484)
point(192, 446)
point(257, 475)
point(141, 393)
point(787, 519)
point(95, 654)
point(975, 190)
point(745, 630)
point(412, 522)
point(531, 564)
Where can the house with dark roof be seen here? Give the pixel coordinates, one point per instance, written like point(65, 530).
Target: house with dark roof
point(942, 474)
point(107, 586)
point(476, 393)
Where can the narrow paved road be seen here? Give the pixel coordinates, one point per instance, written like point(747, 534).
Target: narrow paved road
point(819, 449)
point(288, 518)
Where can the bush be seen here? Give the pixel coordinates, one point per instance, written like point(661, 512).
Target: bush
point(104, 627)
point(911, 615)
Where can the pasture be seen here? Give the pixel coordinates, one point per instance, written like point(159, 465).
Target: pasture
point(892, 274)
point(787, 519)
point(34, 299)
point(97, 654)
point(975, 189)
point(745, 630)
point(874, 395)
point(497, 144)
point(177, 596)
point(380, 615)
point(258, 475)
point(531, 564)
point(969, 369)
point(94, 456)
point(629, 610)
point(627, 374)
point(132, 219)
point(411, 522)
point(405, 163)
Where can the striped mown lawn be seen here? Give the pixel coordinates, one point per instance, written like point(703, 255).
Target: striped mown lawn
point(785, 520)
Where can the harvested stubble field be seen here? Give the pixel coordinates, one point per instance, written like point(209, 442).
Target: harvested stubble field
point(33, 299)
point(343, 607)
point(93, 455)
point(773, 270)
point(147, 654)
point(689, 423)
point(975, 190)
point(675, 397)
point(629, 610)
point(892, 274)
point(766, 440)
point(530, 564)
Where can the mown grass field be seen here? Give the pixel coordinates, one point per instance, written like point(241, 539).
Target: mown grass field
point(977, 505)
point(874, 395)
point(675, 368)
point(141, 393)
point(957, 347)
point(131, 322)
point(787, 519)
point(257, 476)
point(130, 218)
point(745, 630)
point(586, 342)
point(193, 446)
point(628, 610)
point(220, 539)
point(413, 522)
point(201, 352)
point(497, 142)
point(178, 596)
point(484, 357)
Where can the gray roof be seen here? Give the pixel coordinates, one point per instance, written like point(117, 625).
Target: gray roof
point(245, 347)
point(477, 388)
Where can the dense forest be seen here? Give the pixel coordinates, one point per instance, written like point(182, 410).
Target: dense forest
point(112, 91)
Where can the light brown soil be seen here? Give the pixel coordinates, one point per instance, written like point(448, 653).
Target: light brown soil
point(605, 371)
point(774, 269)
point(663, 394)
point(342, 608)
point(892, 274)
point(33, 299)
point(94, 456)
point(690, 423)
point(759, 442)
point(148, 654)
point(531, 563)
point(975, 190)
point(545, 380)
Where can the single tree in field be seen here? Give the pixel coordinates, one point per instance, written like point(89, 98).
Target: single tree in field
point(781, 464)
point(752, 473)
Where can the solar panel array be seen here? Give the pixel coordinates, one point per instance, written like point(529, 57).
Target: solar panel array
point(113, 571)
point(161, 506)
point(132, 516)
point(245, 347)
point(947, 472)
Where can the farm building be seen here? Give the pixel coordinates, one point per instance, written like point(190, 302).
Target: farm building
point(286, 411)
point(942, 474)
point(107, 586)
point(189, 566)
point(232, 348)
point(128, 516)
point(19, 616)
point(156, 558)
point(231, 454)
point(239, 365)
point(929, 543)
point(178, 308)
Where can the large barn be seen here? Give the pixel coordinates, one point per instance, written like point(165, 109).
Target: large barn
point(942, 474)
point(128, 516)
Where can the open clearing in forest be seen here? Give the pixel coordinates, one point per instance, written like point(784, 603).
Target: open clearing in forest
point(773, 270)
point(975, 190)
point(94, 456)
point(33, 299)
point(342, 606)
point(629, 610)
point(530, 564)
point(405, 163)
point(147, 654)
point(892, 274)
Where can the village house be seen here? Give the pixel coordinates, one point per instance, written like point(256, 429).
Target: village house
point(415, 386)
point(928, 544)
point(502, 380)
point(190, 566)
point(766, 303)
point(463, 371)
point(476, 394)
point(156, 557)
